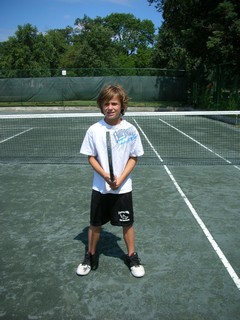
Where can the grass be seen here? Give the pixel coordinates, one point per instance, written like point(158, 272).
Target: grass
point(140, 104)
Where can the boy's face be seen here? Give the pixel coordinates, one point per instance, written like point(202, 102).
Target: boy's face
point(112, 110)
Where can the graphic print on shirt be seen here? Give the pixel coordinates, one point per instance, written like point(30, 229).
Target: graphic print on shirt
point(124, 136)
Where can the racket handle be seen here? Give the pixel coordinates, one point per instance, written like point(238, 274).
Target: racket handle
point(109, 152)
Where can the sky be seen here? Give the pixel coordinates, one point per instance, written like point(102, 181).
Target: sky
point(58, 14)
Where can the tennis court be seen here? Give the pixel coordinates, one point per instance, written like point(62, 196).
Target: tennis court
point(186, 200)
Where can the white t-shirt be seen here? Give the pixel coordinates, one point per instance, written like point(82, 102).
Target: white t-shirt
point(125, 141)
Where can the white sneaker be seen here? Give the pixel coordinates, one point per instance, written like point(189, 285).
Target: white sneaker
point(84, 268)
point(136, 268)
point(89, 263)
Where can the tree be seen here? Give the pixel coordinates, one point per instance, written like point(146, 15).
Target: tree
point(59, 40)
point(27, 53)
point(130, 33)
point(209, 33)
point(168, 53)
point(208, 30)
point(115, 41)
point(91, 45)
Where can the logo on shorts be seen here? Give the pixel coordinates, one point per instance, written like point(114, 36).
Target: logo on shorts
point(123, 216)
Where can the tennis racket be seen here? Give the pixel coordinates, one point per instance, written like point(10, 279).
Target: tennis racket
point(109, 151)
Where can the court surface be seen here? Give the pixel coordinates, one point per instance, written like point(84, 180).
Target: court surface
point(186, 220)
point(189, 275)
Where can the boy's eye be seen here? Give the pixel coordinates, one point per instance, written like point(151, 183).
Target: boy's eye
point(112, 104)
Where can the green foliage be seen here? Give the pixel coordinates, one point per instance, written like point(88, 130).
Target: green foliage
point(91, 43)
point(28, 51)
point(206, 30)
point(130, 34)
point(118, 40)
point(58, 40)
point(196, 36)
point(200, 36)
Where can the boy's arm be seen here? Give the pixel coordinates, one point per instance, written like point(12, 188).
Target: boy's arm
point(96, 166)
point(132, 161)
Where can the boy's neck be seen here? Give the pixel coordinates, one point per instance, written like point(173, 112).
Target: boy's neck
point(113, 122)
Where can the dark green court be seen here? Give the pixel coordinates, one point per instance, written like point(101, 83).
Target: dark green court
point(186, 200)
point(44, 216)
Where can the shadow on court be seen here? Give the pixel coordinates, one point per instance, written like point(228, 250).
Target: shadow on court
point(108, 243)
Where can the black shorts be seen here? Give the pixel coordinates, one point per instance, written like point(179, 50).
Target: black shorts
point(116, 208)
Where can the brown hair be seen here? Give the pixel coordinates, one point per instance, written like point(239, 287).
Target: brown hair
point(107, 94)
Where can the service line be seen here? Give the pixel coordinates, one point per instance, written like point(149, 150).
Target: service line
point(16, 135)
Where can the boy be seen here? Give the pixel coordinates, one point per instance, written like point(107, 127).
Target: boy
point(112, 200)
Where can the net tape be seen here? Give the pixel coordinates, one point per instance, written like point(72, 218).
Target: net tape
point(172, 138)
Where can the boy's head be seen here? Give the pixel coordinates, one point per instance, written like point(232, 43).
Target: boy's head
point(108, 93)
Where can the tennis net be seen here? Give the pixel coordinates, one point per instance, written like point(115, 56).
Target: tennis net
point(172, 138)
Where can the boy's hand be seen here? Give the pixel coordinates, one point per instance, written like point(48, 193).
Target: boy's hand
point(113, 184)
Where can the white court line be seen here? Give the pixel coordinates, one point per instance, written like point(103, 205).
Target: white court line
point(18, 134)
point(191, 138)
point(207, 233)
point(202, 145)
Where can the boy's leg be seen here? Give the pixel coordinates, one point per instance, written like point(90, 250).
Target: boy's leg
point(132, 259)
point(90, 261)
point(93, 238)
point(129, 238)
